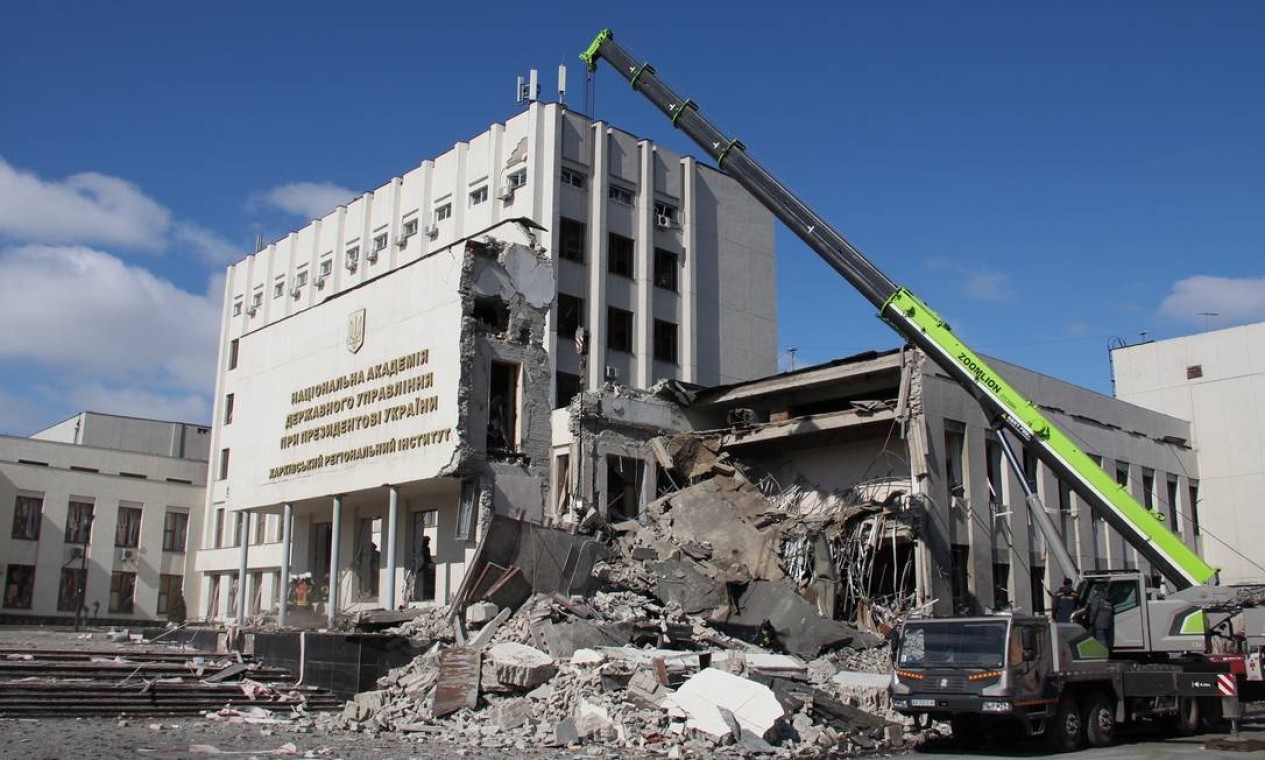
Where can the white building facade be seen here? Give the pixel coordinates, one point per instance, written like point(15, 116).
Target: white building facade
point(102, 511)
point(387, 372)
point(1216, 380)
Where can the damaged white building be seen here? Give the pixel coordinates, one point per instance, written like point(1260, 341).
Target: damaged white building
point(388, 372)
point(884, 488)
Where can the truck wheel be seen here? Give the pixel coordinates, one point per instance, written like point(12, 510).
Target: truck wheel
point(968, 731)
point(1064, 731)
point(1100, 721)
point(1188, 719)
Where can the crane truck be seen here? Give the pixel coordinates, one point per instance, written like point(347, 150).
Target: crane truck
point(1046, 678)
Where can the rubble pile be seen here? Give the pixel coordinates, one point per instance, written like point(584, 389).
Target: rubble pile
point(623, 670)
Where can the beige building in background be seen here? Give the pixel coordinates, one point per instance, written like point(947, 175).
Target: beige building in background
point(1216, 380)
point(388, 371)
point(107, 504)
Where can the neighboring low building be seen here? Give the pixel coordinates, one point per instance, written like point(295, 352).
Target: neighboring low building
point(889, 434)
point(103, 508)
point(1216, 380)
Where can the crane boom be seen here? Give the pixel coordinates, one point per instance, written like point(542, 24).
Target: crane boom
point(918, 324)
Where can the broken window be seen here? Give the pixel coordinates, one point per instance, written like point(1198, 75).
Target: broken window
point(491, 313)
point(1001, 586)
point(571, 239)
point(127, 532)
point(19, 586)
point(229, 401)
point(960, 557)
point(665, 265)
point(1122, 473)
point(79, 522)
point(467, 511)
point(1148, 489)
point(562, 483)
point(368, 557)
point(620, 255)
point(1192, 493)
point(666, 213)
point(425, 528)
point(665, 341)
point(502, 408)
point(27, 512)
point(570, 315)
point(573, 178)
point(68, 586)
point(566, 386)
point(954, 444)
point(122, 591)
point(1038, 590)
point(623, 487)
point(621, 195)
point(169, 589)
point(619, 329)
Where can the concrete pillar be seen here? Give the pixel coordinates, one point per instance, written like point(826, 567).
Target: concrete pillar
point(393, 522)
point(335, 543)
point(243, 538)
point(283, 594)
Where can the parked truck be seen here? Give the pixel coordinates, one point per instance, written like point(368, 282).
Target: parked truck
point(1179, 652)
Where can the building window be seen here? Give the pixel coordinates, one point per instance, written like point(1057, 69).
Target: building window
point(619, 329)
point(175, 531)
point(232, 354)
point(169, 589)
point(478, 195)
point(666, 212)
point(572, 178)
point(79, 522)
point(665, 341)
point(27, 513)
point(570, 315)
point(410, 228)
point(467, 511)
point(239, 519)
point(960, 574)
point(954, 444)
point(122, 592)
point(665, 265)
point(237, 307)
point(278, 287)
point(517, 179)
point(1192, 492)
point(424, 555)
point(1037, 574)
point(72, 579)
point(300, 279)
point(19, 587)
point(620, 255)
point(566, 386)
point(1122, 474)
point(352, 256)
point(1001, 586)
point(217, 538)
point(503, 408)
point(256, 300)
point(327, 267)
point(1148, 489)
point(571, 239)
point(223, 464)
point(1174, 514)
point(621, 195)
point(624, 476)
point(379, 242)
point(229, 400)
point(443, 212)
point(127, 533)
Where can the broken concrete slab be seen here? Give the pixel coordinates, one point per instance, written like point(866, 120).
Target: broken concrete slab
point(798, 626)
point(753, 705)
point(857, 679)
point(563, 639)
point(565, 733)
point(680, 581)
point(458, 684)
point(712, 513)
point(591, 720)
point(587, 658)
point(777, 664)
point(511, 713)
point(521, 666)
point(644, 687)
point(489, 630)
point(480, 613)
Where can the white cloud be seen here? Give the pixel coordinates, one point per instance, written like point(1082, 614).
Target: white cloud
point(311, 200)
point(85, 208)
point(209, 246)
point(987, 285)
point(1233, 300)
point(138, 402)
point(89, 314)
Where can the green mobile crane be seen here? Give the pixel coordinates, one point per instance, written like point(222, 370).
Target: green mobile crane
point(1050, 678)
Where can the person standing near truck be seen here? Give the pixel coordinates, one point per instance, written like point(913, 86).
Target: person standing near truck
point(1098, 616)
point(1064, 603)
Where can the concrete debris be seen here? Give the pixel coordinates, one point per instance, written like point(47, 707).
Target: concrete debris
point(520, 666)
point(480, 612)
point(753, 705)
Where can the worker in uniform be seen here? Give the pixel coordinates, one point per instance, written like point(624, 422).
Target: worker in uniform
point(1098, 616)
point(1064, 602)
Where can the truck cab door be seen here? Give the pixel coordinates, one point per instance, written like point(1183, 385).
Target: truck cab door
point(1130, 624)
point(1030, 657)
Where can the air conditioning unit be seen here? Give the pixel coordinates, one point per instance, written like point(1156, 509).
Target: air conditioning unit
point(127, 555)
point(296, 291)
point(351, 265)
point(505, 192)
point(252, 311)
point(612, 374)
point(76, 552)
point(663, 220)
point(320, 281)
point(401, 241)
point(432, 230)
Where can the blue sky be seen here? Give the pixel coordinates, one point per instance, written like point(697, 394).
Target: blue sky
point(1049, 178)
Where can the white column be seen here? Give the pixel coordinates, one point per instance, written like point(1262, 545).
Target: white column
point(243, 538)
point(283, 594)
point(336, 539)
point(393, 521)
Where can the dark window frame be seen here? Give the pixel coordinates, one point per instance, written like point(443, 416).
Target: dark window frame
point(666, 264)
point(619, 329)
point(621, 255)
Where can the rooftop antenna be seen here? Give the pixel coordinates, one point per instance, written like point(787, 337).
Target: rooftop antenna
point(792, 351)
point(562, 83)
point(259, 243)
point(529, 90)
point(1208, 315)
